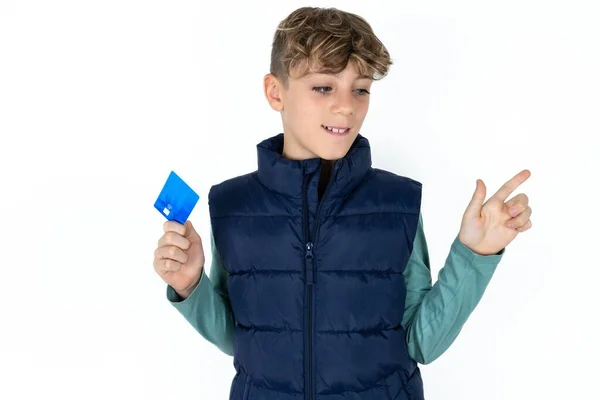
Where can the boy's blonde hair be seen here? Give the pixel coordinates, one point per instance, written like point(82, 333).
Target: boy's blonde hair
point(324, 40)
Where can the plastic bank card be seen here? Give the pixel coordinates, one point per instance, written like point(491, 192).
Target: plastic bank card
point(176, 200)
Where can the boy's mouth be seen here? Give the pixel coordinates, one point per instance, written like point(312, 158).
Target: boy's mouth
point(336, 130)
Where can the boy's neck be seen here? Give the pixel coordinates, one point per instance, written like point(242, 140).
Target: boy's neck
point(326, 167)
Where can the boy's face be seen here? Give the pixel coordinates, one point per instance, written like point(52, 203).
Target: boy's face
point(317, 100)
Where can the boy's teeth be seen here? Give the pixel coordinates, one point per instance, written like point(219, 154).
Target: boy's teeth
point(336, 130)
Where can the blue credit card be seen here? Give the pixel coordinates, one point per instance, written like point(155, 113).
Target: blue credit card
point(176, 199)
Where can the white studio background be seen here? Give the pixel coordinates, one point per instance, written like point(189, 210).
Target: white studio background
point(100, 100)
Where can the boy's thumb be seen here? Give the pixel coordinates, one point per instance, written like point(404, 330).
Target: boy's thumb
point(190, 232)
point(474, 208)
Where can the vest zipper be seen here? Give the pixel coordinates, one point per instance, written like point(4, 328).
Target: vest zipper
point(309, 267)
point(308, 275)
point(309, 282)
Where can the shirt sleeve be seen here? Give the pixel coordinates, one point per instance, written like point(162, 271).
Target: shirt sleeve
point(208, 308)
point(435, 314)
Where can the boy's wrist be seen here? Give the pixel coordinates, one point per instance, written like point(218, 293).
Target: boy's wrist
point(187, 292)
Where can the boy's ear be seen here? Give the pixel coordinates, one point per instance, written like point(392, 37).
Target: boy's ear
point(272, 88)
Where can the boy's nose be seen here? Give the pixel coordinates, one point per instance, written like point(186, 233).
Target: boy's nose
point(343, 104)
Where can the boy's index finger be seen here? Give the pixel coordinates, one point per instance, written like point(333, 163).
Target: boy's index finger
point(510, 186)
point(174, 226)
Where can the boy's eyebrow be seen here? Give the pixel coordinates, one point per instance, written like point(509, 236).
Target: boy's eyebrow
point(359, 77)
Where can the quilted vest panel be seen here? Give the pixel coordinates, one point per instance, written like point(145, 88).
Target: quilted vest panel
point(317, 286)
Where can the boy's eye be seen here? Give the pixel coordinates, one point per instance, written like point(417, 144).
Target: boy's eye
point(325, 89)
point(318, 89)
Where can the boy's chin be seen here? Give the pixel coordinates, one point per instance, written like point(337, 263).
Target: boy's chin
point(336, 149)
point(333, 152)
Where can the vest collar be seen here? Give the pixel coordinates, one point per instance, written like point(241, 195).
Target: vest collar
point(286, 176)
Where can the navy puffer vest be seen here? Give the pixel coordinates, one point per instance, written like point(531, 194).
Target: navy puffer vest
point(316, 287)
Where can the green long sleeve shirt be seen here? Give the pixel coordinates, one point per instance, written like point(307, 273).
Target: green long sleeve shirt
point(433, 314)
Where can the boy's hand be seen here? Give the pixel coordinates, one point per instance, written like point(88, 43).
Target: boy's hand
point(488, 228)
point(179, 257)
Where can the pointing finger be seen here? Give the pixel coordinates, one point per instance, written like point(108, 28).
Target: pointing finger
point(510, 186)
